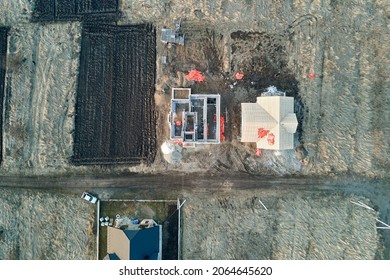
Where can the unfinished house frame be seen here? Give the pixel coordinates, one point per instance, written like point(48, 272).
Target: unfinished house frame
point(194, 118)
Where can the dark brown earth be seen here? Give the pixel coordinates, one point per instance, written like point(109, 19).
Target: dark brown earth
point(115, 116)
point(3, 55)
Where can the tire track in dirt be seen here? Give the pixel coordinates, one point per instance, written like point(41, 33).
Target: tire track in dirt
point(34, 102)
point(40, 225)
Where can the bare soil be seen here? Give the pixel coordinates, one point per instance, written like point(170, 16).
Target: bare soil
point(344, 112)
point(3, 59)
point(65, 10)
point(345, 128)
point(115, 117)
point(222, 216)
point(293, 227)
point(46, 226)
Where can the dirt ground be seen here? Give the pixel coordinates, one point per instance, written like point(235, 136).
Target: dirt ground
point(293, 227)
point(344, 123)
point(345, 107)
point(38, 225)
point(305, 219)
point(120, 126)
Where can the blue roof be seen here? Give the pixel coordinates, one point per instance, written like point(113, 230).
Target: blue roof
point(144, 243)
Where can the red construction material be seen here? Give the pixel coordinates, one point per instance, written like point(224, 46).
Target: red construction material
point(222, 128)
point(195, 75)
point(178, 141)
point(258, 152)
point(239, 76)
point(271, 139)
point(261, 132)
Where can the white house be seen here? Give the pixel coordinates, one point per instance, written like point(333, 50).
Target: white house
point(270, 122)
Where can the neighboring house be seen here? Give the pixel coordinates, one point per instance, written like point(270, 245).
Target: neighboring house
point(134, 244)
point(194, 118)
point(270, 122)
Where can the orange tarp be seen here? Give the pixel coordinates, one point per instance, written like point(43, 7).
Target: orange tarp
point(261, 132)
point(178, 141)
point(239, 76)
point(271, 139)
point(194, 75)
point(222, 128)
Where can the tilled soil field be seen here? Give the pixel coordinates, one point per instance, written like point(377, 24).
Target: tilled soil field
point(61, 10)
point(115, 120)
point(3, 57)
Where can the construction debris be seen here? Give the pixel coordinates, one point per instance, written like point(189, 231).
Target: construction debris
point(361, 204)
point(173, 36)
point(172, 152)
point(195, 75)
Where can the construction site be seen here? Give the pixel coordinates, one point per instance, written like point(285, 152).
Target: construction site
point(270, 119)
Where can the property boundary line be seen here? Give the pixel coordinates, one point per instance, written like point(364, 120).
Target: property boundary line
point(179, 205)
point(178, 230)
point(138, 200)
point(97, 226)
point(142, 200)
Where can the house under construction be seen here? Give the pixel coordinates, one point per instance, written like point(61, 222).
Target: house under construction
point(194, 118)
